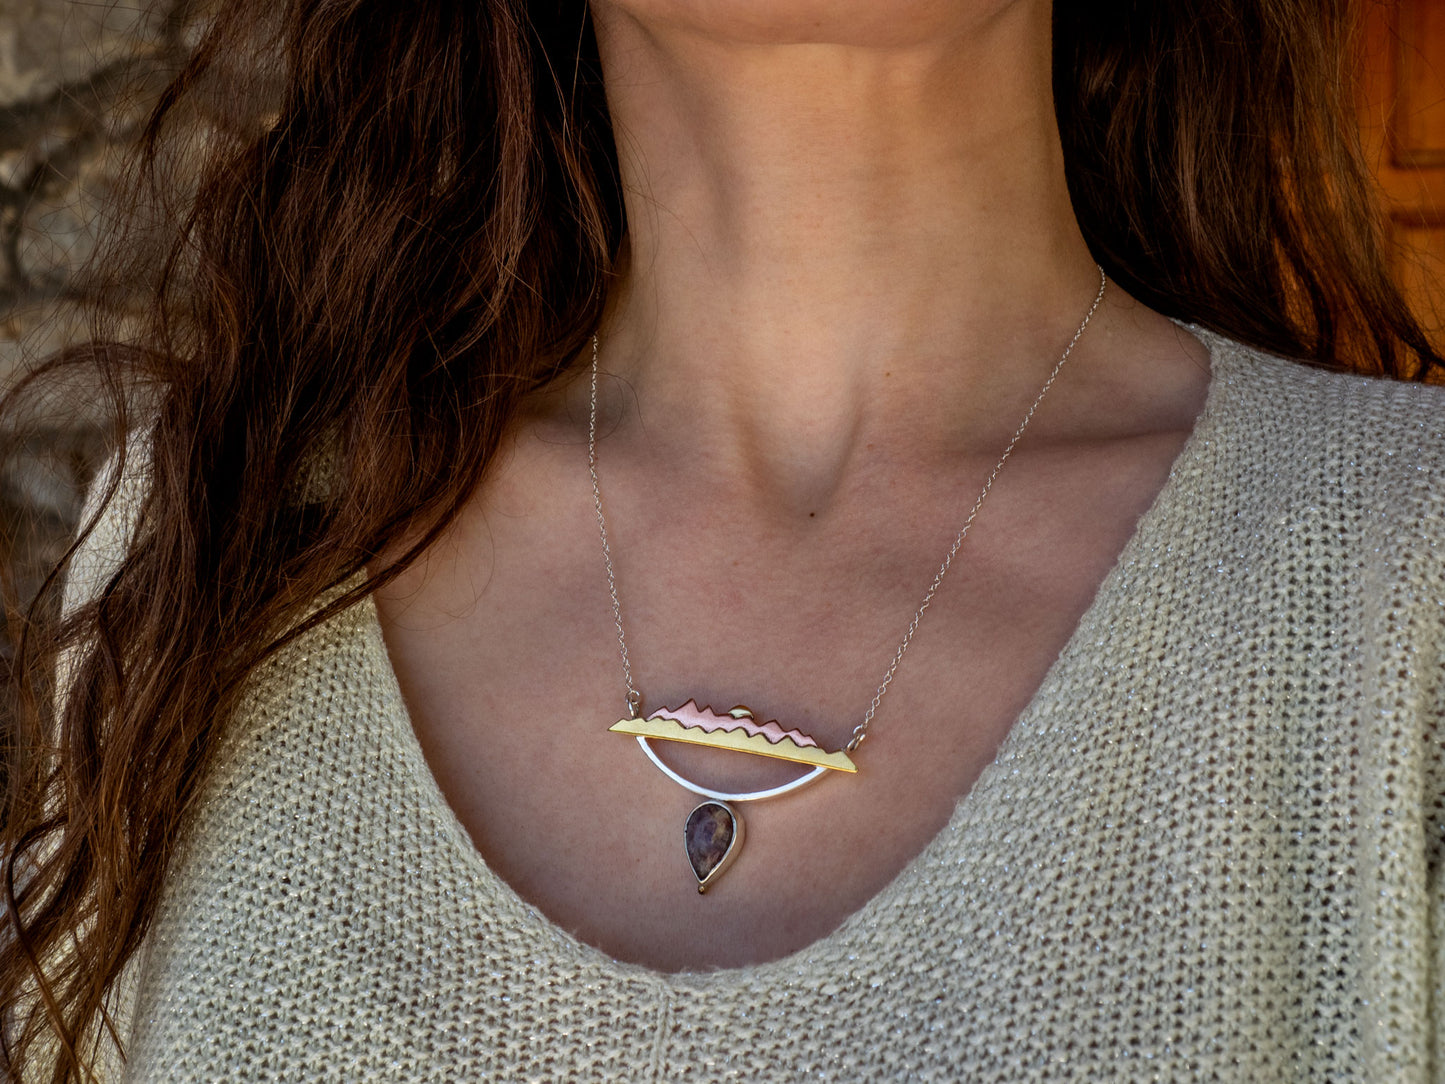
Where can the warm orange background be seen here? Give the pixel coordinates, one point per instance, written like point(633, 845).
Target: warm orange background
point(1403, 121)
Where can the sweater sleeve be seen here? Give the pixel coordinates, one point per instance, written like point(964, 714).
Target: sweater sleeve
point(1434, 817)
point(1399, 787)
point(98, 557)
point(1431, 736)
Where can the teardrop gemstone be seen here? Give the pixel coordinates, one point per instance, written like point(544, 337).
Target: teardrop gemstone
point(714, 834)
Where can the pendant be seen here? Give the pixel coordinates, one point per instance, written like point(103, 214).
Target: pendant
point(714, 831)
point(713, 836)
point(737, 730)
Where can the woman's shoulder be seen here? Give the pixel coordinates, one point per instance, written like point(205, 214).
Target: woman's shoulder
point(1342, 399)
point(109, 517)
point(1382, 440)
point(118, 493)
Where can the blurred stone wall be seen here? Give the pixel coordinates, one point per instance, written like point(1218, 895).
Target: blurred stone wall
point(77, 77)
point(76, 80)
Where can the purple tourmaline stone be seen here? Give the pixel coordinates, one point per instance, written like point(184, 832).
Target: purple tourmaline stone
point(710, 830)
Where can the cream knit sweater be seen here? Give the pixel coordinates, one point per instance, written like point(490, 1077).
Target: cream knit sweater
point(1209, 849)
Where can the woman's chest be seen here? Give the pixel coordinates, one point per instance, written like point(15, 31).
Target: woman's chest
point(507, 650)
point(1154, 872)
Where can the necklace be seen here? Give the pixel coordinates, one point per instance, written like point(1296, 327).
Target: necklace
point(713, 832)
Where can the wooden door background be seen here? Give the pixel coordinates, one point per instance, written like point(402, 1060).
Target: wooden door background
point(1402, 119)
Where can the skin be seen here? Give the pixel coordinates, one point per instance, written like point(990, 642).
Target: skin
point(852, 263)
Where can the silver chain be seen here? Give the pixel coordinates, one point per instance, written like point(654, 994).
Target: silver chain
point(634, 698)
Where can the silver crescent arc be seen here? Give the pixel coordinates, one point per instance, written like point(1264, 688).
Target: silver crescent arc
point(722, 796)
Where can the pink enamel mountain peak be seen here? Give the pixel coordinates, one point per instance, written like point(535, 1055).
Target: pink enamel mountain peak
point(693, 717)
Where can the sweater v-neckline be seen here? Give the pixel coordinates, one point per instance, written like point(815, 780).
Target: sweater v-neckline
point(1109, 605)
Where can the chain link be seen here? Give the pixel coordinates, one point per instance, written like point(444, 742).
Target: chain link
point(634, 698)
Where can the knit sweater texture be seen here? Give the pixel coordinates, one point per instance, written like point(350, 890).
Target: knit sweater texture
point(1209, 848)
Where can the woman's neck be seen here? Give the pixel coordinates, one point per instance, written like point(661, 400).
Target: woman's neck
point(830, 238)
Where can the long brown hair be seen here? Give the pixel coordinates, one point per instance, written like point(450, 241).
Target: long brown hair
point(414, 231)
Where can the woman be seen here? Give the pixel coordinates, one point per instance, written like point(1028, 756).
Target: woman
point(1154, 789)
